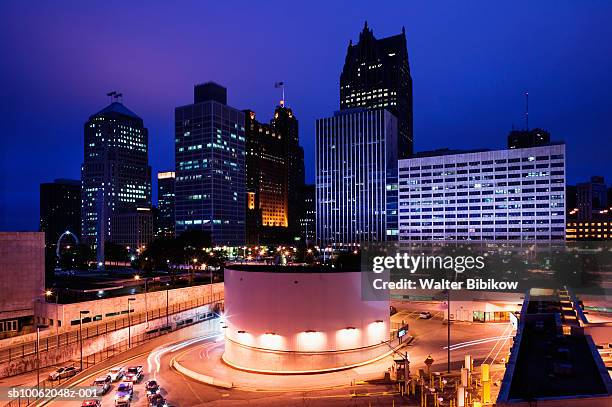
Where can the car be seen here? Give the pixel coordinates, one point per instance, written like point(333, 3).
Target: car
point(152, 388)
point(102, 385)
point(91, 403)
point(63, 373)
point(425, 315)
point(116, 373)
point(136, 372)
point(125, 391)
point(157, 400)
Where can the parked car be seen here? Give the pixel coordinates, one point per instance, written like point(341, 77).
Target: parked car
point(63, 373)
point(425, 315)
point(102, 385)
point(152, 388)
point(157, 400)
point(91, 403)
point(116, 373)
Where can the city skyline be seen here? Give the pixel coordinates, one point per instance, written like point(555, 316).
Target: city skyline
point(472, 103)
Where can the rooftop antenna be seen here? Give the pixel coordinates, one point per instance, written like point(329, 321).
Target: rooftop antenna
point(527, 110)
point(111, 95)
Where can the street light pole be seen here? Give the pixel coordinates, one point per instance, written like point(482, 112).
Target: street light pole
point(130, 323)
point(167, 308)
point(81, 313)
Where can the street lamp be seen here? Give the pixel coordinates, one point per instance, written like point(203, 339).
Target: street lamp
point(49, 293)
point(130, 323)
point(38, 328)
point(167, 308)
point(81, 313)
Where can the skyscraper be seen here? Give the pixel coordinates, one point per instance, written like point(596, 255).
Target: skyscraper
point(356, 177)
point(376, 74)
point(275, 177)
point(210, 167)
point(266, 182)
point(285, 124)
point(60, 209)
point(115, 174)
point(165, 204)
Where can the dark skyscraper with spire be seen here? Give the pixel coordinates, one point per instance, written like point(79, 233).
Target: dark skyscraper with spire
point(376, 74)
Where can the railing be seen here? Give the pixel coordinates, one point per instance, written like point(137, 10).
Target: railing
point(101, 328)
point(122, 346)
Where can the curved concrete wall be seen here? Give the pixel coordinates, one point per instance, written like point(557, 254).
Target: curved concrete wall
point(300, 321)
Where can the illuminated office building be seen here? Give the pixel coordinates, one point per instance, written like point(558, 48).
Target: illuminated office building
point(115, 174)
point(274, 177)
point(356, 177)
point(210, 167)
point(513, 194)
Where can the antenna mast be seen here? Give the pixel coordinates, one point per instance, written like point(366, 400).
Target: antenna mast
point(527, 110)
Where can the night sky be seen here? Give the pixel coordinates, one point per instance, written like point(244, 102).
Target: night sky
point(470, 61)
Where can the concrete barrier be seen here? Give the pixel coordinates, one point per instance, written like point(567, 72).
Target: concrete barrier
point(199, 376)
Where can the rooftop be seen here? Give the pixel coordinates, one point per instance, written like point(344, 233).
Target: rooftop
point(551, 357)
point(119, 108)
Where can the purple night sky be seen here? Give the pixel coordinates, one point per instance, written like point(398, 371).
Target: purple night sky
point(470, 62)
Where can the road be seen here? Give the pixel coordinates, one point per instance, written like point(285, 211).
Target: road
point(482, 341)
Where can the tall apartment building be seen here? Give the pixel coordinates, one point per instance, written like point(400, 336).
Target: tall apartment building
point(210, 167)
point(376, 74)
point(513, 194)
point(356, 177)
point(60, 209)
point(165, 204)
point(115, 174)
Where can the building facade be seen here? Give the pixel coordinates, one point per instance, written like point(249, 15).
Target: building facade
point(22, 281)
point(285, 124)
point(591, 217)
point(165, 204)
point(133, 229)
point(60, 209)
point(591, 198)
point(267, 214)
point(115, 174)
point(210, 167)
point(376, 74)
point(308, 220)
point(274, 177)
point(356, 177)
point(514, 194)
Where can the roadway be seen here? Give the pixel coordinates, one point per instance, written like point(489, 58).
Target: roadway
point(483, 341)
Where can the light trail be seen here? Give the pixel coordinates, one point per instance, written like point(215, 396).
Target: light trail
point(477, 342)
point(154, 358)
